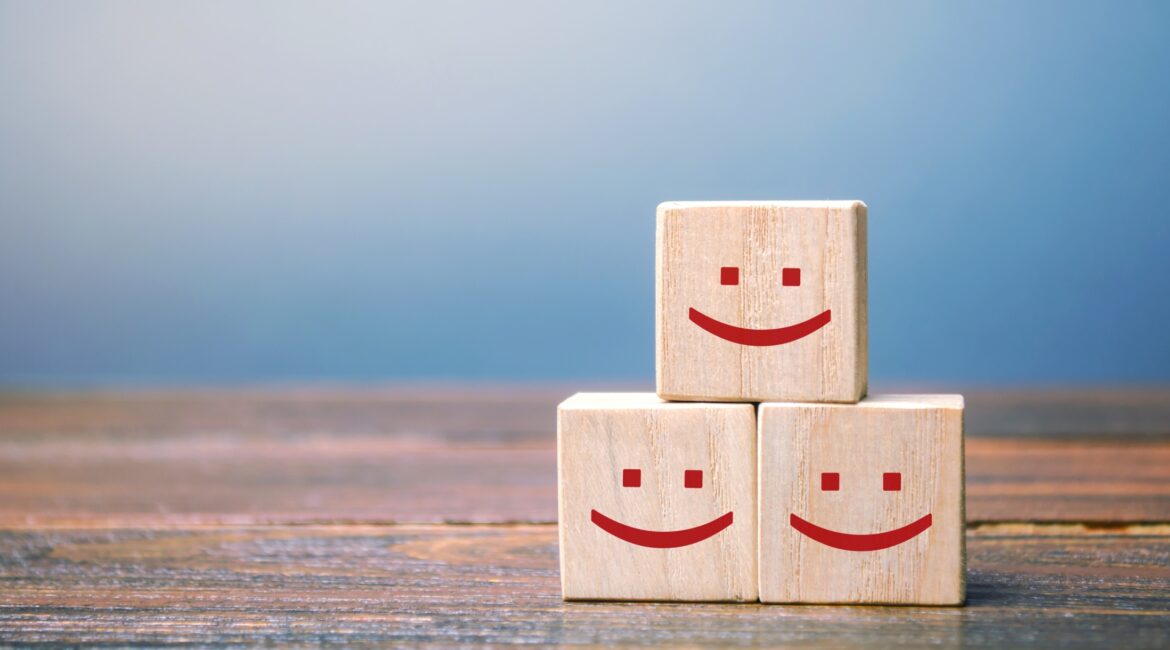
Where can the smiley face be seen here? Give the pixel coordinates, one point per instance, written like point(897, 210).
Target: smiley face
point(831, 482)
point(761, 301)
point(656, 499)
point(790, 277)
point(692, 480)
point(862, 503)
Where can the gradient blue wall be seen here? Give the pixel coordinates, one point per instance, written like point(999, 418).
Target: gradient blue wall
point(201, 192)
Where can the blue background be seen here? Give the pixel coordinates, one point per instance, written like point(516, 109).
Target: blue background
point(210, 192)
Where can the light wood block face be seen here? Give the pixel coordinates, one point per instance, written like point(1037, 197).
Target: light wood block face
point(862, 503)
point(761, 301)
point(656, 499)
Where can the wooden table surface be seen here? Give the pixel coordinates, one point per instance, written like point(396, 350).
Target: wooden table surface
point(429, 516)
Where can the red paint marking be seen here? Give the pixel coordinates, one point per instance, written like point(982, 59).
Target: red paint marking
point(892, 481)
point(729, 275)
point(851, 542)
point(830, 481)
point(631, 478)
point(790, 277)
point(660, 539)
point(746, 336)
point(693, 478)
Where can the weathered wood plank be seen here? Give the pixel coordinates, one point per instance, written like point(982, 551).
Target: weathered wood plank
point(1112, 414)
point(480, 456)
point(464, 584)
point(1052, 480)
point(285, 456)
point(477, 414)
point(382, 479)
point(512, 413)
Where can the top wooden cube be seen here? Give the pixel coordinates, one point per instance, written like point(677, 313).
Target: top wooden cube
point(761, 301)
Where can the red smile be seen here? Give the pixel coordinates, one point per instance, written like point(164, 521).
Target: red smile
point(850, 542)
point(660, 539)
point(746, 336)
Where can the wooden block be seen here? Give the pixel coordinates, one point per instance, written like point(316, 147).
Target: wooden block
point(863, 503)
point(656, 499)
point(761, 301)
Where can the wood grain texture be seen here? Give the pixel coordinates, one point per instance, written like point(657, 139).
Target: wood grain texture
point(1051, 480)
point(452, 585)
point(600, 437)
point(1100, 414)
point(917, 437)
point(487, 455)
point(437, 455)
point(825, 240)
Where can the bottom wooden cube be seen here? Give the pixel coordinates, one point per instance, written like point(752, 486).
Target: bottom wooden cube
point(656, 499)
point(862, 503)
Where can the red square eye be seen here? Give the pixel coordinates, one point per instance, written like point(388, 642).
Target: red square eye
point(729, 275)
point(693, 478)
point(631, 478)
point(892, 481)
point(830, 481)
point(790, 277)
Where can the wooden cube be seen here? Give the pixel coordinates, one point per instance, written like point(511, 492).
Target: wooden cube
point(863, 503)
point(656, 499)
point(761, 301)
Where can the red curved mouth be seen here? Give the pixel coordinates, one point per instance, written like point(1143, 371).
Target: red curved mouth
point(747, 336)
point(660, 539)
point(872, 542)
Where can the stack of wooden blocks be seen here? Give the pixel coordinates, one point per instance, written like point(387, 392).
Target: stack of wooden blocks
point(761, 470)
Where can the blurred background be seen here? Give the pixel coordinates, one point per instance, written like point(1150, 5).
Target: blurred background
point(220, 193)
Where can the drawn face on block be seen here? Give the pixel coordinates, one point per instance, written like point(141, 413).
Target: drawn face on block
point(693, 479)
point(761, 301)
point(862, 503)
point(861, 542)
point(656, 499)
point(762, 337)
